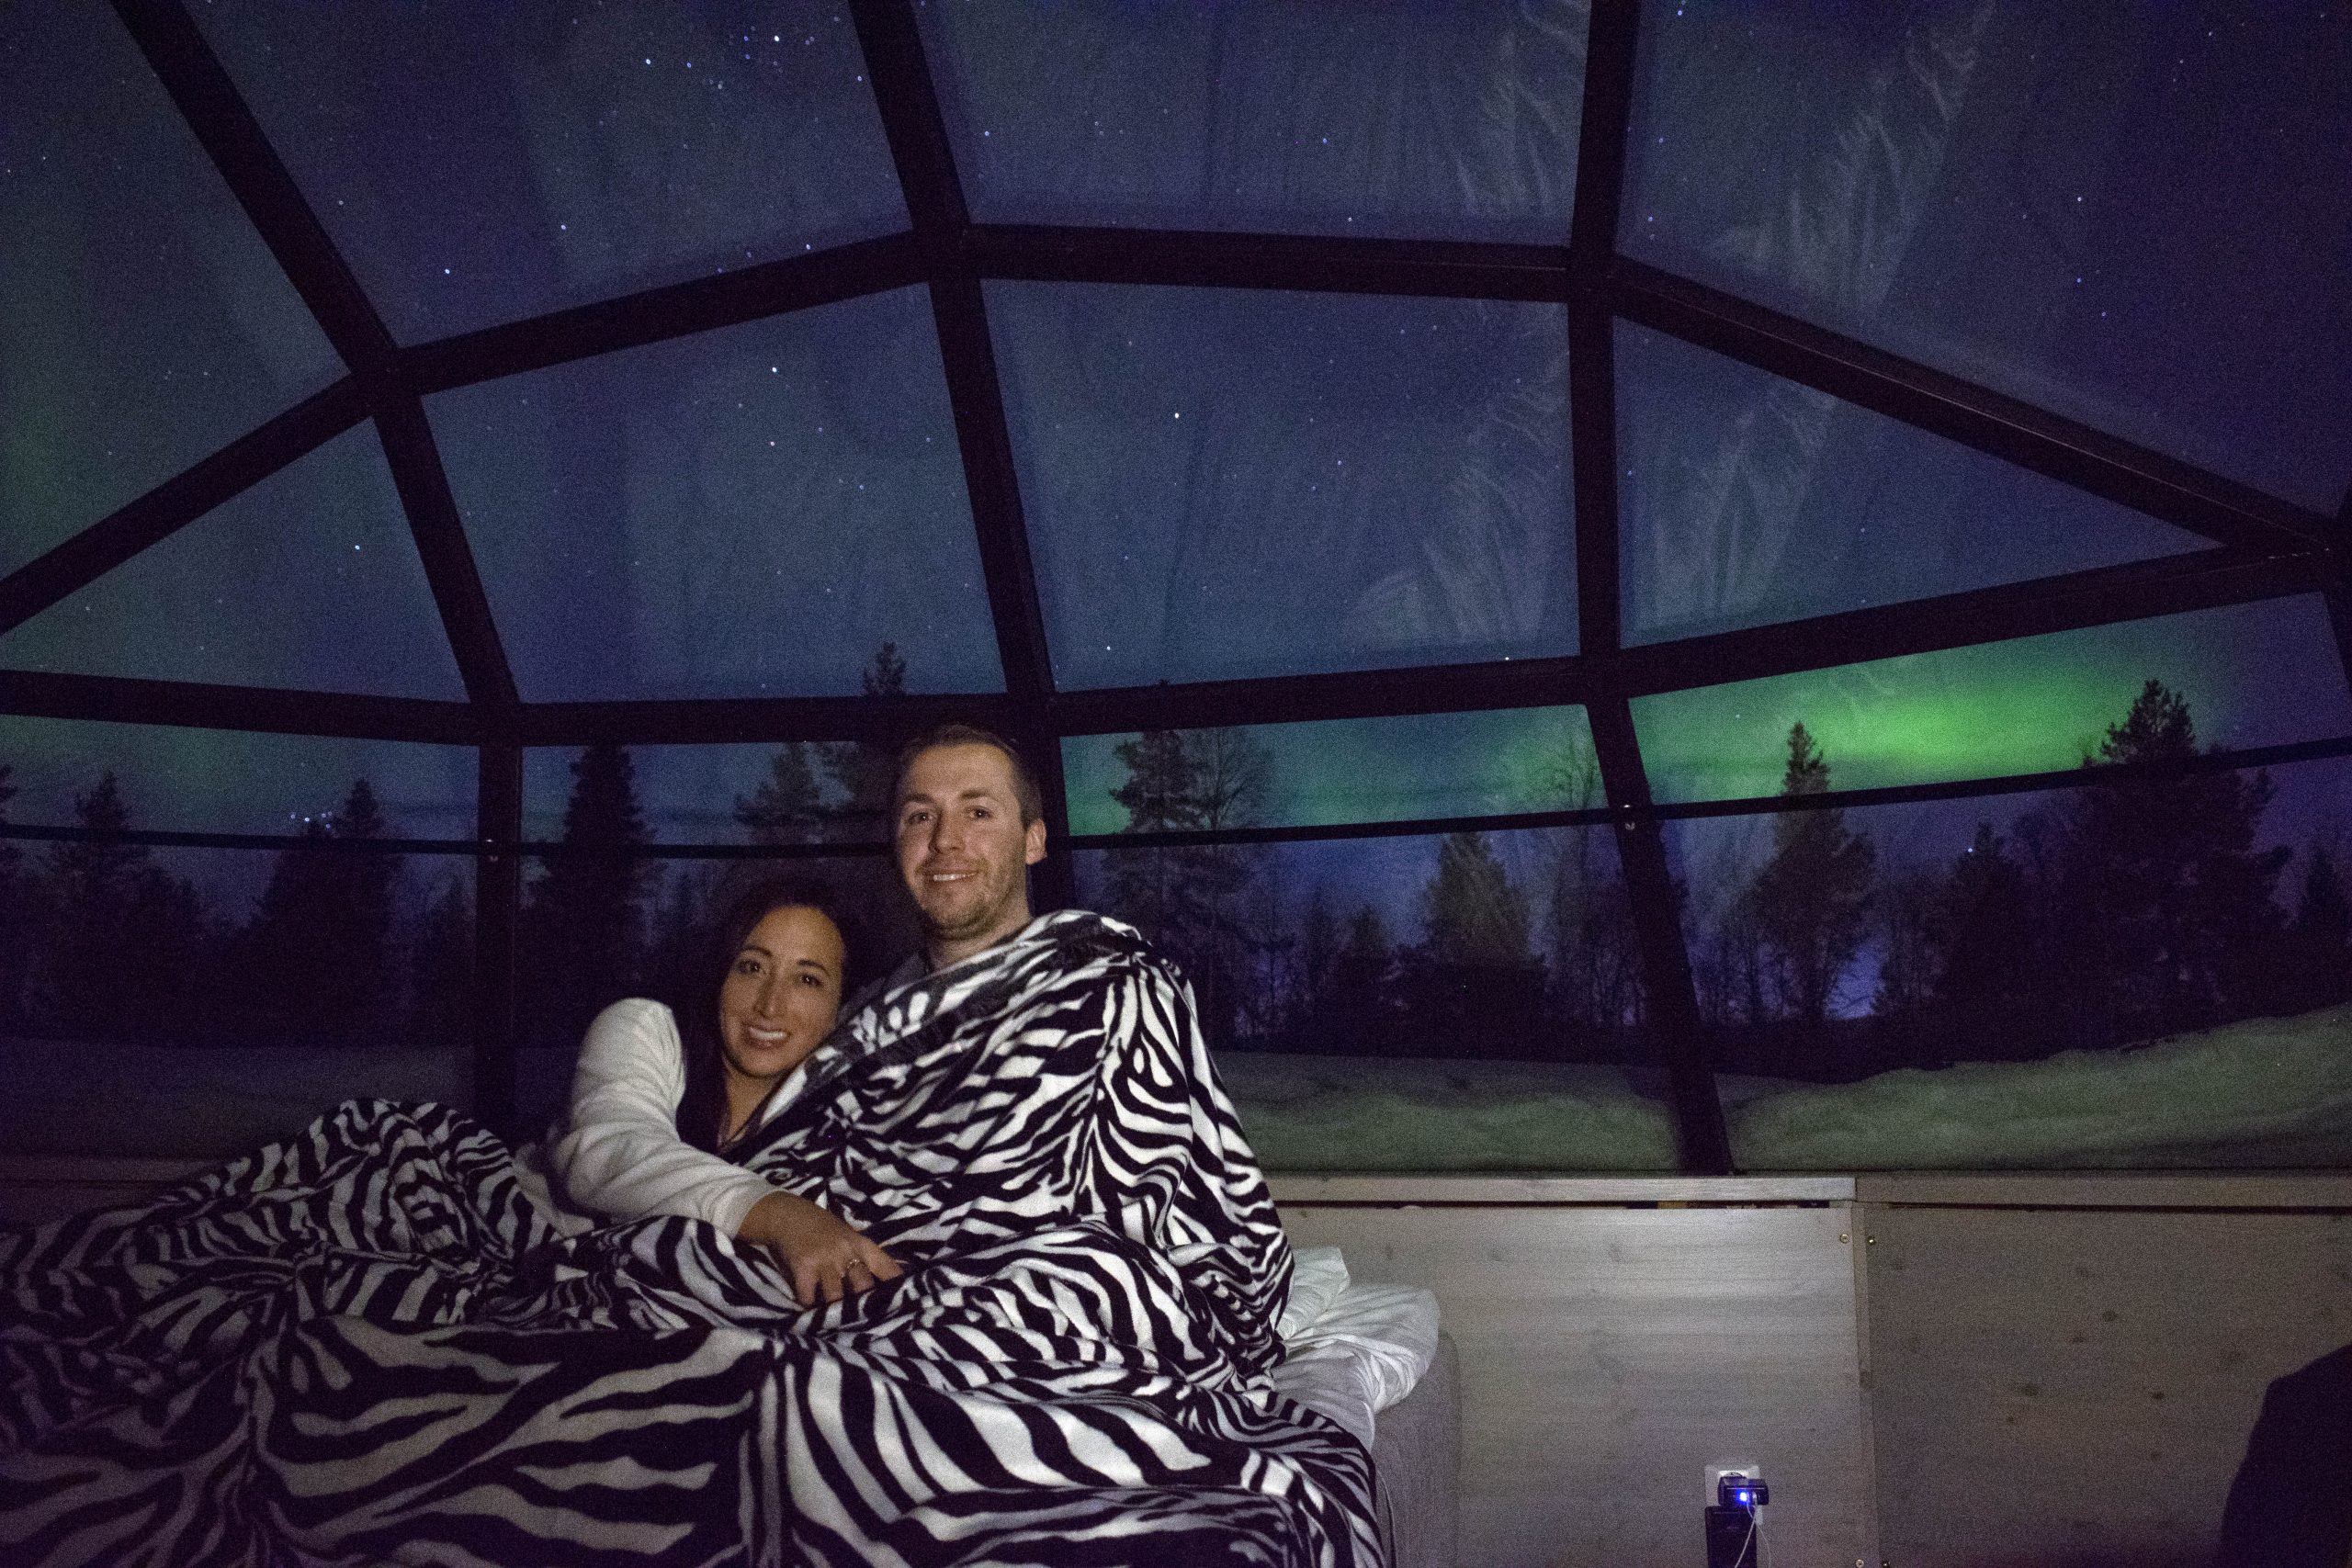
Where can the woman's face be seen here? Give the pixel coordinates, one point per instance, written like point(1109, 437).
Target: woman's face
point(781, 995)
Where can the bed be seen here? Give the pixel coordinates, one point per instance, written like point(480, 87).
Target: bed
point(368, 1343)
point(1407, 1384)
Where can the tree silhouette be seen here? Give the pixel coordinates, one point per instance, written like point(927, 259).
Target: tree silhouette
point(1193, 901)
point(1594, 960)
point(2317, 954)
point(1909, 922)
point(1811, 896)
point(860, 771)
point(584, 929)
point(441, 963)
point(685, 897)
point(1472, 983)
point(1989, 964)
point(1473, 913)
point(1342, 999)
point(2162, 905)
point(316, 962)
point(124, 937)
point(785, 808)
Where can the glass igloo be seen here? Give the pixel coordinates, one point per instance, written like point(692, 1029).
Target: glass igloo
point(1627, 587)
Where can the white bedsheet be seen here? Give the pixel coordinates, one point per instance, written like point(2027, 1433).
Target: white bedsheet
point(1352, 1350)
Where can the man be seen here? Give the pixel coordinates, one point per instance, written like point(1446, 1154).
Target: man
point(969, 823)
point(1027, 1121)
point(1001, 1002)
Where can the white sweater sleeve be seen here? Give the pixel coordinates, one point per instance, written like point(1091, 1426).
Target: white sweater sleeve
point(620, 1154)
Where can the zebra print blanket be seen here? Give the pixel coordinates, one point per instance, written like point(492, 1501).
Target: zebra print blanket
point(367, 1345)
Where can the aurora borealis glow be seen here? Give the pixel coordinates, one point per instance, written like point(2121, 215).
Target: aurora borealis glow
point(2031, 705)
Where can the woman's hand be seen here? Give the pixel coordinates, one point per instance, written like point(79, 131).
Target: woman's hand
point(822, 1256)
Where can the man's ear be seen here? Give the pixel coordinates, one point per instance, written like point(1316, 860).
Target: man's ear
point(1034, 843)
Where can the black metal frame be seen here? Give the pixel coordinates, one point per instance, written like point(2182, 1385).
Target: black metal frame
point(2263, 548)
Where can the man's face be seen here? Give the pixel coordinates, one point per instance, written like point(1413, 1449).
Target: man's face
point(962, 849)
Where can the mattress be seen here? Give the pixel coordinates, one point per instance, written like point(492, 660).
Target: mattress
point(1371, 1358)
point(1416, 1467)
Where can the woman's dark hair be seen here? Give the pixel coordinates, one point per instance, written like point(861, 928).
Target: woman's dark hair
point(702, 1110)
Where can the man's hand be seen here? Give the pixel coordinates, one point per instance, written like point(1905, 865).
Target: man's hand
point(821, 1253)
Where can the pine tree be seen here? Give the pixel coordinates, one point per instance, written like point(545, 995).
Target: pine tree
point(1360, 1006)
point(1907, 923)
point(2317, 952)
point(1812, 896)
point(1193, 901)
point(1345, 1003)
point(316, 963)
point(784, 809)
point(1593, 955)
point(125, 936)
point(684, 900)
point(441, 964)
point(1472, 983)
point(1474, 916)
point(1988, 985)
point(2163, 904)
point(1312, 958)
point(584, 928)
point(861, 772)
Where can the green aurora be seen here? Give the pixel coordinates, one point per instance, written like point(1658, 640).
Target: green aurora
point(2033, 705)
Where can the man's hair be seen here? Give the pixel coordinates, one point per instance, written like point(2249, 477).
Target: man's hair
point(1026, 793)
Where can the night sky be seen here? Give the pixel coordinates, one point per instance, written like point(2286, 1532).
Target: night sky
point(2141, 220)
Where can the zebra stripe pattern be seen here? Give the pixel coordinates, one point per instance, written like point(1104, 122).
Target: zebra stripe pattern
point(367, 1345)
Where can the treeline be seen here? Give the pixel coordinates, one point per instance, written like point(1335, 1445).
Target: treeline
point(604, 920)
point(2116, 912)
point(2127, 908)
point(1484, 963)
point(99, 939)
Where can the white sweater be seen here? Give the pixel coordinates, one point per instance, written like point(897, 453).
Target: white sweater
point(617, 1152)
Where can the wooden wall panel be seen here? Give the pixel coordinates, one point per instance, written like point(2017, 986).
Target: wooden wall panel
point(1609, 1354)
point(2073, 1389)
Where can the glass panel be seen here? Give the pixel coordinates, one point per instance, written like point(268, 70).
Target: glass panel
point(1465, 1002)
point(1382, 117)
point(792, 793)
point(1336, 770)
point(2253, 675)
point(198, 1003)
point(748, 512)
point(218, 780)
point(596, 928)
point(309, 580)
point(1229, 483)
point(143, 323)
point(2140, 974)
point(598, 150)
point(1750, 498)
point(2133, 217)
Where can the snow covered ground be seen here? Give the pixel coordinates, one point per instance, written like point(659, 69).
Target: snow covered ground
point(2264, 1092)
point(1345, 1113)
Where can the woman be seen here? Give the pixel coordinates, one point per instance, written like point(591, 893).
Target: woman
point(658, 1101)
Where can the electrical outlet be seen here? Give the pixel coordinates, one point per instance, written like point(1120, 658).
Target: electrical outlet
point(1752, 1468)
